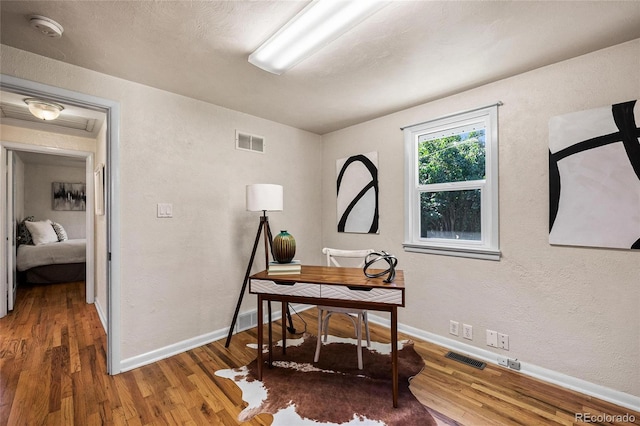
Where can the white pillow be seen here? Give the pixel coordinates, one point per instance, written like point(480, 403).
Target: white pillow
point(42, 232)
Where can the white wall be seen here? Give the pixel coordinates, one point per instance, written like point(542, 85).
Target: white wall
point(180, 277)
point(567, 309)
point(38, 193)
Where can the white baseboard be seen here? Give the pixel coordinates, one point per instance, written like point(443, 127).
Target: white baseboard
point(607, 394)
point(171, 350)
point(185, 345)
point(101, 315)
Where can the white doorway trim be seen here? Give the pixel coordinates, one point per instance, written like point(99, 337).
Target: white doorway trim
point(112, 191)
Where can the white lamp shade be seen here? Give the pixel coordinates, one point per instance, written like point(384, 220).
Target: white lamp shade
point(264, 196)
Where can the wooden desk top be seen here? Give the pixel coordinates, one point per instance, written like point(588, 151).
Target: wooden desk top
point(352, 277)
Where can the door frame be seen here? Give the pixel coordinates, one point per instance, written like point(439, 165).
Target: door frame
point(89, 215)
point(112, 196)
point(9, 197)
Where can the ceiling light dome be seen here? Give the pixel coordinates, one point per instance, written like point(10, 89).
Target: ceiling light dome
point(42, 109)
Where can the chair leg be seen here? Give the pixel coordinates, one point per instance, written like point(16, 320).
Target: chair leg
point(359, 336)
point(319, 338)
point(366, 327)
point(325, 324)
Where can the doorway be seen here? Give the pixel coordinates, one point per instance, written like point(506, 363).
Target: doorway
point(43, 157)
point(111, 202)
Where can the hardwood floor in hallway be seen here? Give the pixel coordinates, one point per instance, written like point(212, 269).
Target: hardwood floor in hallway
point(53, 372)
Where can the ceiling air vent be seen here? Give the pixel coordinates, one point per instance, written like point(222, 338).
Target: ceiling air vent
point(248, 142)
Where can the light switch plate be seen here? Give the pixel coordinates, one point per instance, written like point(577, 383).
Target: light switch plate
point(165, 210)
point(492, 338)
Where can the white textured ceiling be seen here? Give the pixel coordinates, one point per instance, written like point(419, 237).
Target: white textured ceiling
point(409, 53)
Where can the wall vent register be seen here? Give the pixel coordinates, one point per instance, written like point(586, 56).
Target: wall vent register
point(249, 142)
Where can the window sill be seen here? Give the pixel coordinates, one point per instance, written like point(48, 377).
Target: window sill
point(483, 254)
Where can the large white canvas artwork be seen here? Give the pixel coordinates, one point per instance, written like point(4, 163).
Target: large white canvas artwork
point(594, 177)
point(357, 185)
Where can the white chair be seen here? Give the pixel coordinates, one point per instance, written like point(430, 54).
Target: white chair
point(357, 316)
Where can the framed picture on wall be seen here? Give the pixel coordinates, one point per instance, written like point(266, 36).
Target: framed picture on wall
point(69, 196)
point(98, 182)
point(357, 192)
point(594, 177)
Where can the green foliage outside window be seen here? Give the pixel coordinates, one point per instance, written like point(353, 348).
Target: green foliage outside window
point(453, 214)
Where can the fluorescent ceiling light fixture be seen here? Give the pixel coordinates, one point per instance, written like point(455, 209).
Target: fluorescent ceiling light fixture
point(314, 27)
point(42, 109)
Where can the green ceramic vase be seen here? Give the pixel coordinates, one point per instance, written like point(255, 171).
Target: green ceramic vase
point(284, 247)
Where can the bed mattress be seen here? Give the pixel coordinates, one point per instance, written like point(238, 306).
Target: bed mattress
point(69, 251)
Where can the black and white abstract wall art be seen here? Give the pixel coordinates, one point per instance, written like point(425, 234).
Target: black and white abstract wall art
point(357, 185)
point(69, 196)
point(594, 177)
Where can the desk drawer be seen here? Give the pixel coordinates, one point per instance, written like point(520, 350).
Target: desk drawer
point(290, 289)
point(390, 296)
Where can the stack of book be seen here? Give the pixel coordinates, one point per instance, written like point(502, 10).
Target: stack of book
point(293, 267)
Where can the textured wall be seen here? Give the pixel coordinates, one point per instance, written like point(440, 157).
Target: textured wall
point(568, 309)
point(180, 277)
point(38, 193)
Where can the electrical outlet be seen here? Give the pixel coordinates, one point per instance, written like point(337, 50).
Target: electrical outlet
point(514, 363)
point(503, 341)
point(453, 327)
point(503, 361)
point(467, 331)
point(492, 338)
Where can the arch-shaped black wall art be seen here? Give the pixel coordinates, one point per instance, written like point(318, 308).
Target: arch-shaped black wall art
point(357, 191)
point(594, 177)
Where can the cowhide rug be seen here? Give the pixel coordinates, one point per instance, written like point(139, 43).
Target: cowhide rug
point(334, 391)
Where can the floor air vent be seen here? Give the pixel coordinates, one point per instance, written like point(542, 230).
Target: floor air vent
point(466, 360)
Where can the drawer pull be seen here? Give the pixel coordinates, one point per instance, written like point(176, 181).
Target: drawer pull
point(360, 288)
point(284, 283)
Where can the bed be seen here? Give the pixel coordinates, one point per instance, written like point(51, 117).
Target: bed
point(45, 258)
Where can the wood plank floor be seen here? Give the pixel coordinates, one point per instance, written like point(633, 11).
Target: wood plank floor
point(53, 364)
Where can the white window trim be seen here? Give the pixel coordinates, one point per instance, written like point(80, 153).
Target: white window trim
point(488, 246)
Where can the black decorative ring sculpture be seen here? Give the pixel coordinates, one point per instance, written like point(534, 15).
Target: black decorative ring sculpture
point(377, 256)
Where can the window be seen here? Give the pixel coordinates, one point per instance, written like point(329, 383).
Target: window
point(451, 185)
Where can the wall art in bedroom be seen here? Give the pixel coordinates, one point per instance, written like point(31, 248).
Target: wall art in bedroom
point(69, 196)
point(594, 177)
point(357, 187)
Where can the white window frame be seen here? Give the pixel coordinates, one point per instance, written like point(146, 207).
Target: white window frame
point(488, 245)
